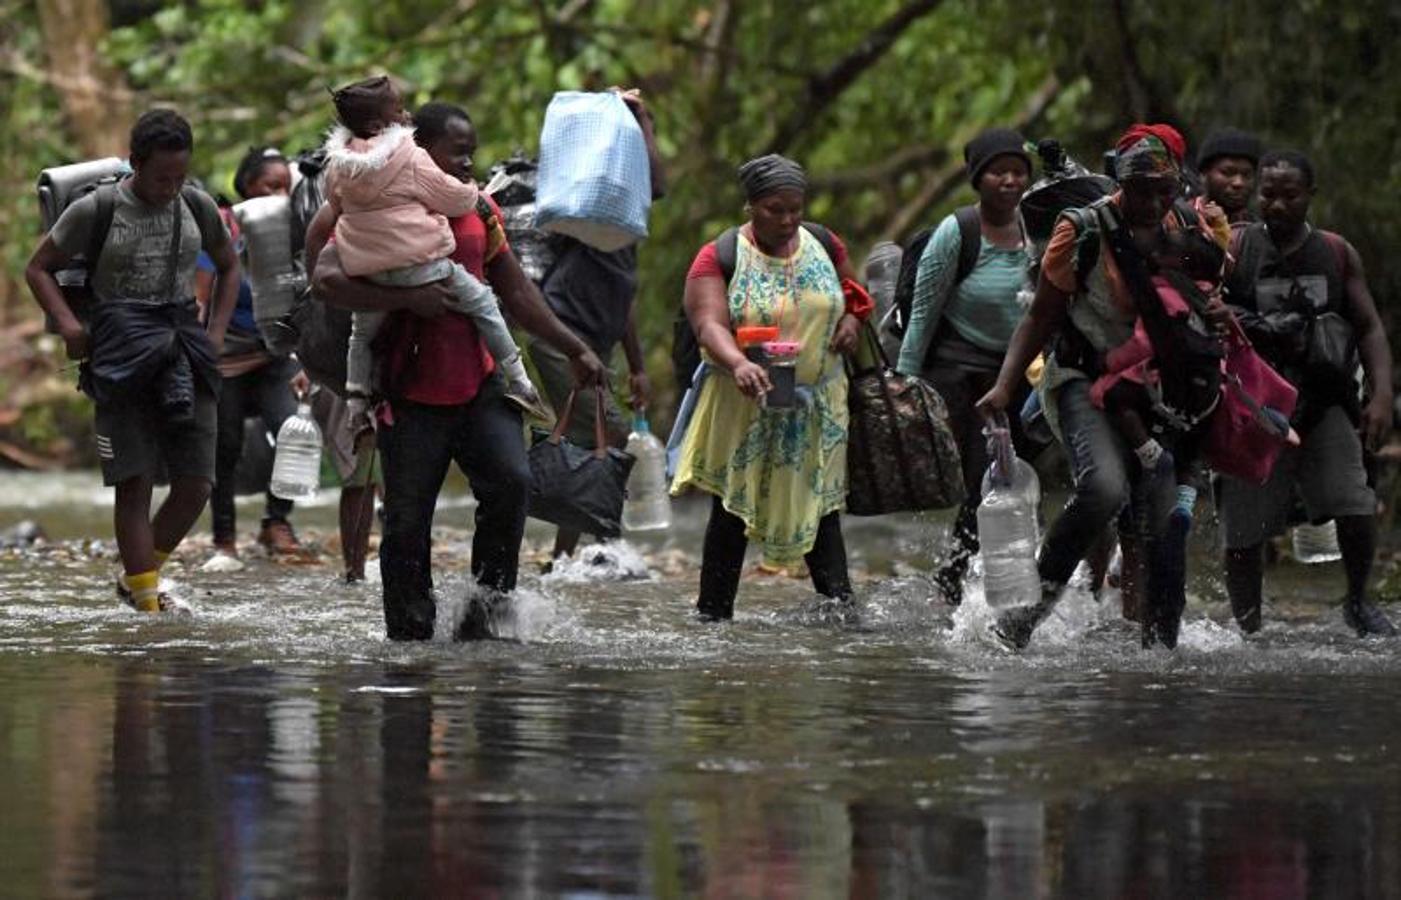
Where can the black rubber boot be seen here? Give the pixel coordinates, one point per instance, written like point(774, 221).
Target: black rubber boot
point(1363, 617)
point(1167, 587)
point(1245, 574)
point(1015, 626)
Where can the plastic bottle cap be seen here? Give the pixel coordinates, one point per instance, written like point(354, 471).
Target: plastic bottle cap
point(782, 348)
point(750, 335)
point(639, 423)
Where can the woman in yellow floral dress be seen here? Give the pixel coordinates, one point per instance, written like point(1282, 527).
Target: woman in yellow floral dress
point(778, 475)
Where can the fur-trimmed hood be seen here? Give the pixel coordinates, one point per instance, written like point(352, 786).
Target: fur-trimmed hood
point(368, 164)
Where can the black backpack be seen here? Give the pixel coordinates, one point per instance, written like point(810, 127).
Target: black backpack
point(685, 349)
point(970, 243)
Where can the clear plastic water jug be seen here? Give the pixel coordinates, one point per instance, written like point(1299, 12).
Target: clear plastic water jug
point(1316, 543)
point(648, 505)
point(296, 465)
point(1007, 527)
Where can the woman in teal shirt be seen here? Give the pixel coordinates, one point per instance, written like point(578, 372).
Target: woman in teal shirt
point(959, 330)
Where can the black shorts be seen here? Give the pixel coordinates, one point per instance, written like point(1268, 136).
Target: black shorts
point(134, 439)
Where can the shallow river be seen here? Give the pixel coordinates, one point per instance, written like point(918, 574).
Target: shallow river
point(274, 744)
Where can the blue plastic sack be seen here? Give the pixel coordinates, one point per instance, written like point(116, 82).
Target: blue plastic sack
point(595, 183)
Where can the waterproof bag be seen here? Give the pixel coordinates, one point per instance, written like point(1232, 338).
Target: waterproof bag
point(576, 488)
point(595, 181)
point(1250, 426)
point(901, 453)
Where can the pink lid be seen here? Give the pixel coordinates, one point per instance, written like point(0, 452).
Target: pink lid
point(782, 348)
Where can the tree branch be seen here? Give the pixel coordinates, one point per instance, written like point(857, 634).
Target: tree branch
point(826, 86)
point(917, 156)
point(947, 179)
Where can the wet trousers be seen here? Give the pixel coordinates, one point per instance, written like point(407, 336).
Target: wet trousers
point(484, 438)
point(722, 560)
point(263, 392)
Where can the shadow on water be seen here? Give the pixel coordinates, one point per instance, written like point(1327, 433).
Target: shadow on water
point(274, 744)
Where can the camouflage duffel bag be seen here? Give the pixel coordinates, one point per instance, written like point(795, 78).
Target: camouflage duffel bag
point(901, 454)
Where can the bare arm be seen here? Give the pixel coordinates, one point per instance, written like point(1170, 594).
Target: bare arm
point(709, 315)
point(225, 293)
point(46, 260)
point(848, 331)
point(523, 303)
point(1375, 352)
point(640, 387)
point(654, 157)
point(1045, 317)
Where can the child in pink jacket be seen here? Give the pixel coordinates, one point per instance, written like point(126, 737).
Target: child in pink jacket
point(392, 204)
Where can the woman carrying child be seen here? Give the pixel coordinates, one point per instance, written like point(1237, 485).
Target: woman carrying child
point(1085, 299)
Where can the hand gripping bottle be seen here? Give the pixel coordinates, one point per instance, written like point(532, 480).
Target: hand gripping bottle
point(1007, 529)
point(648, 505)
point(296, 464)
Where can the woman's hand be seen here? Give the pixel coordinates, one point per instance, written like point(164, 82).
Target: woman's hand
point(847, 335)
point(641, 390)
point(751, 379)
point(994, 401)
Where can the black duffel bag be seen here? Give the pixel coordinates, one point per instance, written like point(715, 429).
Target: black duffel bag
point(901, 454)
point(578, 489)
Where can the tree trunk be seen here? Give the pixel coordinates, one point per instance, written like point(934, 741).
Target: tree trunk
point(93, 92)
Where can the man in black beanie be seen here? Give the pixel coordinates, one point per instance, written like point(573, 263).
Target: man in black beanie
point(1227, 162)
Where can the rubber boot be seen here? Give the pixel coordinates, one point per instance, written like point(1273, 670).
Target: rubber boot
point(1245, 574)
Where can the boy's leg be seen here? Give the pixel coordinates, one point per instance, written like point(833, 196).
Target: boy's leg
point(189, 457)
point(228, 450)
point(131, 523)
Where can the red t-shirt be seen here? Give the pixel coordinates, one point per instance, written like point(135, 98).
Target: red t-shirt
point(707, 262)
point(443, 361)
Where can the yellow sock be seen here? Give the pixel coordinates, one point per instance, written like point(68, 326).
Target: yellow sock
point(161, 557)
point(145, 590)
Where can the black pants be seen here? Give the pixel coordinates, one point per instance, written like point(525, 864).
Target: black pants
point(263, 392)
point(723, 559)
point(962, 387)
point(484, 438)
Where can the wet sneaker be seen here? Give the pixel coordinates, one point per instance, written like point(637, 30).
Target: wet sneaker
point(1014, 627)
point(526, 398)
point(164, 602)
point(1363, 617)
point(279, 539)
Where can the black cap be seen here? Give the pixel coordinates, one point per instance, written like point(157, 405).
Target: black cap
point(1229, 142)
point(983, 149)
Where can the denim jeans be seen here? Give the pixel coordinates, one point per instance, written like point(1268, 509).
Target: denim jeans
point(484, 438)
point(1108, 478)
point(264, 392)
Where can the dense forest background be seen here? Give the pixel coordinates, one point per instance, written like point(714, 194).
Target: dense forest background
point(875, 97)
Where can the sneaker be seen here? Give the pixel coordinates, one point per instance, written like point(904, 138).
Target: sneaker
point(226, 546)
point(479, 620)
point(1014, 627)
point(524, 396)
point(279, 539)
point(1363, 617)
point(164, 602)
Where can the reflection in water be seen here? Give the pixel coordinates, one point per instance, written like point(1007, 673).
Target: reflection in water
point(275, 745)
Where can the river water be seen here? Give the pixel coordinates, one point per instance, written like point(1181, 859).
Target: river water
point(274, 744)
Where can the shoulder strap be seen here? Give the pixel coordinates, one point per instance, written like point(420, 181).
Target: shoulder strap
point(106, 201)
point(825, 238)
point(726, 250)
point(1086, 222)
point(970, 241)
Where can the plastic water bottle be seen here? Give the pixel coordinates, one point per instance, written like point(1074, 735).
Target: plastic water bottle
point(1316, 543)
point(296, 465)
point(1007, 528)
point(648, 505)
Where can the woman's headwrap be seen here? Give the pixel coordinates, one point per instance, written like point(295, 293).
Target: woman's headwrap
point(770, 173)
point(1150, 151)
